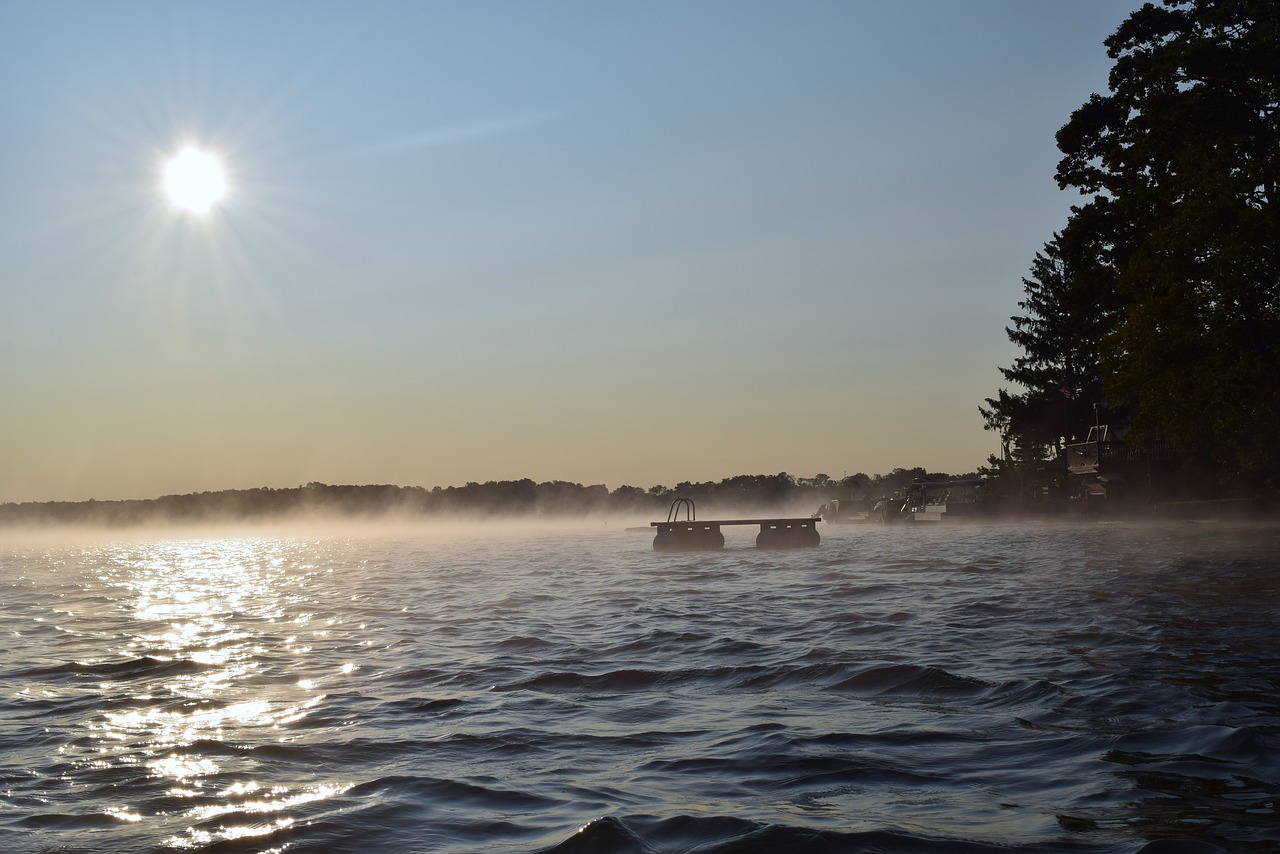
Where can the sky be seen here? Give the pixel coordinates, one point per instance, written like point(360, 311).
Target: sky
point(621, 243)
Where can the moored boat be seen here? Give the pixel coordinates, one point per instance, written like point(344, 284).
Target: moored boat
point(933, 501)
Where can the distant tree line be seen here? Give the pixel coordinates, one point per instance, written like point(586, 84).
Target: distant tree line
point(518, 498)
point(1156, 308)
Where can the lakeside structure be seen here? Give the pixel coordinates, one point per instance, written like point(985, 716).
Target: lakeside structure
point(689, 534)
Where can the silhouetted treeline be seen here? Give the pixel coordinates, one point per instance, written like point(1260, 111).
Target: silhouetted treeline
point(743, 493)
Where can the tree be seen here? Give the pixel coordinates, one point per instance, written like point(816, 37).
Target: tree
point(1186, 148)
point(1070, 303)
point(1178, 249)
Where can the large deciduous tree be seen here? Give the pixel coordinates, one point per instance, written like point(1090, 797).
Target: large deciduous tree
point(1178, 248)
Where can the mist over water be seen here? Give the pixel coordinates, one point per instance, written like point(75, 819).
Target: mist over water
point(566, 689)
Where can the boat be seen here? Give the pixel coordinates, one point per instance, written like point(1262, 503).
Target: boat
point(932, 501)
point(844, 511)
point(1105, 466)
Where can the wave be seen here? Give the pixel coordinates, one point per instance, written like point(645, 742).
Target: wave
point(627, 680)
point(1207, 743)
point(140, 667)
point(413, 707)
point(911, 680)
point(727, 835)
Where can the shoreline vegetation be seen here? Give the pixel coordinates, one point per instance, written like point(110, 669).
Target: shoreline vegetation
point(507, 498)
point(1150, 322)
point(754, 495)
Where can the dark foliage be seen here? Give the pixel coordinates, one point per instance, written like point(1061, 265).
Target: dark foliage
point(507, 498)
point(1162, 294)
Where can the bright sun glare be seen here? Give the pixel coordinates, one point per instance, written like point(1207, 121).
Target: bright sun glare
point(193, 181)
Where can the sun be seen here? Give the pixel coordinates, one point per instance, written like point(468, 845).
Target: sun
point(194, 181)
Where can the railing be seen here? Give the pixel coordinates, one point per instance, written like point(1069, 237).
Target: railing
point(690, 514)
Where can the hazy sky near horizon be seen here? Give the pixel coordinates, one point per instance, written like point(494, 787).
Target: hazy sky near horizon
point(619, 243)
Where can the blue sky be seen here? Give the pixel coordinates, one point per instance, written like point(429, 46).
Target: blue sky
point(600, 242)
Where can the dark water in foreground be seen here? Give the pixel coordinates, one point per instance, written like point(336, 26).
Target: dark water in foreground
point(1098, 688)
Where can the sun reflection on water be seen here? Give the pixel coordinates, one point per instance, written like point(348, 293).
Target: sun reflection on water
point(214, 666)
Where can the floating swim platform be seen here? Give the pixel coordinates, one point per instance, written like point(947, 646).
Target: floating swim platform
point(691, 535)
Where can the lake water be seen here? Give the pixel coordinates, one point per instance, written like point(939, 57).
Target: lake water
point(1109, 688)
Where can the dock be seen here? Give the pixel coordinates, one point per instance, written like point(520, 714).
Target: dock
point(692, 535)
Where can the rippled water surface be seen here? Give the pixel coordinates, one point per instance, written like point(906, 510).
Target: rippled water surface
point(1053, 688)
